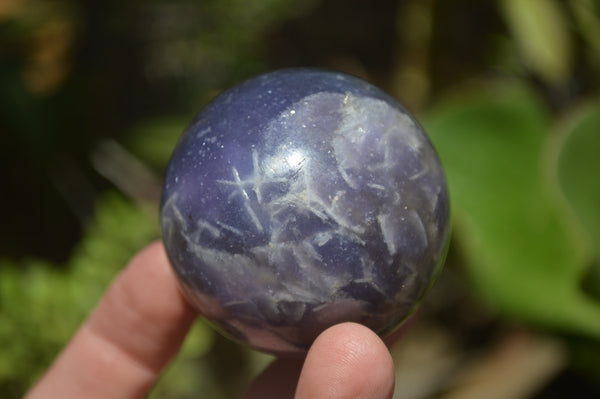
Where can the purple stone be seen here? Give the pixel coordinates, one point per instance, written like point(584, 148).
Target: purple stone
point(300, 199)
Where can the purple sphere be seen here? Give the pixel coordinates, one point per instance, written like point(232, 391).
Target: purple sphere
point(300, 199)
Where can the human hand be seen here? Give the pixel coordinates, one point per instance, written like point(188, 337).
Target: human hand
point(140, 324)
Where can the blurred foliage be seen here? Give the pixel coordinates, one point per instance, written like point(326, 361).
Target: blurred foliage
point(94, 95)
point(540, 31)
point(520, 251)
point(41, 305)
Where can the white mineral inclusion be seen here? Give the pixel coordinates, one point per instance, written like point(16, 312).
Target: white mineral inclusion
point(355, 137)
point(359, 143)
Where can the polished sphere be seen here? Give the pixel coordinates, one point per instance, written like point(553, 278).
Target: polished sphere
point(300, 199)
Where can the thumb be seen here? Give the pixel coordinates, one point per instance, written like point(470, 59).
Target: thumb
point(347, 361)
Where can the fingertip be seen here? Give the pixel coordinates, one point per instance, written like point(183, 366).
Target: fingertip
point(347, 361)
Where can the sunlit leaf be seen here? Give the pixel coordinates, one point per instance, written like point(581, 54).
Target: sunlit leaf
point(540, 30)
point(519, 252)
point(586, 14)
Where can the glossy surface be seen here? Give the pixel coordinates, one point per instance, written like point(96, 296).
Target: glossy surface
point(300, 199)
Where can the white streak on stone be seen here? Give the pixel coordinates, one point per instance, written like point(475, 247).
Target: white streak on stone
point(387, 229)
point(417, 222)
point(238, 183)
point(377, 186)
point(258, 181)
point(347, 177)
point(232, 229)
point(371, 282)
point(322, 238)
point(203, 132)
point(417, 175)
point(253, 217)
point(203, 225)
point(311, 252)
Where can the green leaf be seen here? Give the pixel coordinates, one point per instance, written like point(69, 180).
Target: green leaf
point(585, 13)
point(578, 170)
point(540, 30)
point(154, 139)
point(519, 251)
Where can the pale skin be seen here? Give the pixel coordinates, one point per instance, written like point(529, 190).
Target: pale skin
point(142, 320)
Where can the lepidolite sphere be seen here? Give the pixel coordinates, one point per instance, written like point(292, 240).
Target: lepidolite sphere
point(300, 199)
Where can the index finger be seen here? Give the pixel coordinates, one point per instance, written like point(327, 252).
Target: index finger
point(132, 334)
